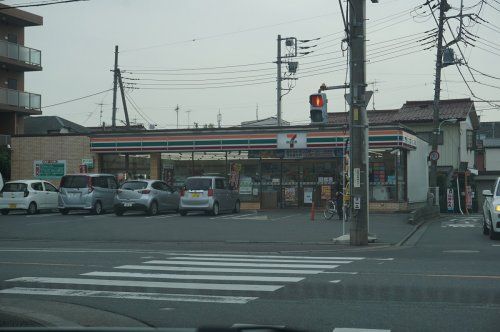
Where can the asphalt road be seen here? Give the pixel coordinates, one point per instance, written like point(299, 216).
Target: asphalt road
point(266, 268)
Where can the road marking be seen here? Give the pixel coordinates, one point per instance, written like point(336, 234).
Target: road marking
point(271, 256)
point(286, 217)
point(43, 215)
point(257, 326)
point(150, 284)
point(348, 329)
point(300, 266)
point(98, 216)
point(162, 216)
point(381, 259)
point(129, 295)
point(210, 269)
point(43, 264)
point(229, 216)
point(48, 222)
point(190, 276)
point(335, 281)
point(339, 272)
point(461, 251)
point(222, 259)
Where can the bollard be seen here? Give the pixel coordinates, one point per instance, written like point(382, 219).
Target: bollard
point(312, 211)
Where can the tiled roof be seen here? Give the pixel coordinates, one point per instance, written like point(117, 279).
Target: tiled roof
point(43, 125)
point(415, 111)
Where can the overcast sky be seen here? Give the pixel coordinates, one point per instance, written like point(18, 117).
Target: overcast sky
point(77, 42)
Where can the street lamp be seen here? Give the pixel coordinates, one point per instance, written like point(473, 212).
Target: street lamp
point(447, 120)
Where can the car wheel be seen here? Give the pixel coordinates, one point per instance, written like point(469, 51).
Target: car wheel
point(5, 212)
point(97, 208)
point(237, 206)
point(32, 208)
point(215, 209)
point(64, 211)
point(183, 213)
point(153, 209)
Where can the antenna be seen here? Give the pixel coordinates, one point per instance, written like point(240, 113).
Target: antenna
point(374, 83)
point(188, 113)
point(257, 112)
point(219, 119)
point(100, 114)
point(177, 111)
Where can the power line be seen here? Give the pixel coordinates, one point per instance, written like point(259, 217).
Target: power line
point(46, 3)
point(76, 99)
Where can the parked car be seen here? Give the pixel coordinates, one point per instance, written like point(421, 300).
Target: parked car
point(210, 194)
point(29, 195)
point(151, 196)
point(491, 211)
point(92, 192)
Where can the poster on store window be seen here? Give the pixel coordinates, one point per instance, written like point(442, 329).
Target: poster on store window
point(326, 192)
point(245, 185)
point(308, 195)
point(234, 178)
point(290, 194)
point(168, 175)
point(468, 197)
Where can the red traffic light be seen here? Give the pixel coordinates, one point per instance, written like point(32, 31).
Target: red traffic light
point(316, 100)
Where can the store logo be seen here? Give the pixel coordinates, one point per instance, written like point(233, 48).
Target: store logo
point(291, 140)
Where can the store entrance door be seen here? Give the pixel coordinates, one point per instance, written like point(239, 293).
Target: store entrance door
point(291, 178)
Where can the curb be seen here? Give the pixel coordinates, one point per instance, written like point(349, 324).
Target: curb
point(415, 229)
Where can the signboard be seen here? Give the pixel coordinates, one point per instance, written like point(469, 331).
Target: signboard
point(49, 169)
point(88, 162)
point(288, 141)
point(468, 197)
point(308, 195)
point(290, 194)
point(450, 200)
point(357, 178)
point(357, 203)
point(434, 155)
point(246, 186)
point(326, 192)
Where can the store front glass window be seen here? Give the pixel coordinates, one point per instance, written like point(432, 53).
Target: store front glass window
point(382, 175)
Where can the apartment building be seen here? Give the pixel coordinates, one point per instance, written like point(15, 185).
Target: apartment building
point(15, 60)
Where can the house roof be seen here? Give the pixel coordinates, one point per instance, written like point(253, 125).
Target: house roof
point(43, 125)
point(417, 111)
point(270, 121)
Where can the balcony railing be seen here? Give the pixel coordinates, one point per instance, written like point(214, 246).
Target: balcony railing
point(20, 99)
point(21, 53)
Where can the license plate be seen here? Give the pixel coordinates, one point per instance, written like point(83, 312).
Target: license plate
point(12, 206)
point(195, 195)
point(127, 204)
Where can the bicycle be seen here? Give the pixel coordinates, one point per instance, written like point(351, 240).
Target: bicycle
point(330, 210)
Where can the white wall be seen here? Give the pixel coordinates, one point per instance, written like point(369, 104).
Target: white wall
point(492, 159)
point(449, 151)
point(418, 172)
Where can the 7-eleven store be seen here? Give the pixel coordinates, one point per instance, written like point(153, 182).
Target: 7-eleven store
point(273, 167)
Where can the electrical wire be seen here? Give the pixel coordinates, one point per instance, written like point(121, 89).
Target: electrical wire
point(76, 99)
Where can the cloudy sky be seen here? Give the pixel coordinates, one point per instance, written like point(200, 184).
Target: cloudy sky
point(206, 55)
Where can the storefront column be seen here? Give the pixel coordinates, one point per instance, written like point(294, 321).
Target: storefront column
point(155, 166)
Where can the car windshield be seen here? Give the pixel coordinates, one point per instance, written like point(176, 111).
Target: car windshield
point(134, 185)
point(74, 181)
point(14, 187)
point(198, 184)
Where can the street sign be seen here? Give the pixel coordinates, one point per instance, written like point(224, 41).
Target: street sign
point(434, 155)
point(49, 169)
point(357, 203)
point(450, 200)
point(357, 178)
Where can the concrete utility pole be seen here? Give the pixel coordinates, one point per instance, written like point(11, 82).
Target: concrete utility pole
point(177, 111)
point(278, 81)
point(115, 86)
point(443, 7)
point(219, 119)
point(358, 125)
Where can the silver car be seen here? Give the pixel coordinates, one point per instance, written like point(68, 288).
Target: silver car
point(210, 194)
point(491, 212)
point(92, 192)
point(151, 196)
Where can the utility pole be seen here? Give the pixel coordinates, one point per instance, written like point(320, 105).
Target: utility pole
point(177, 111)
point(219, 119)
point(358, 125)
point(115, 86)
point(257, 113)
point(443, 7)
point(278, 82)
point(124, 102)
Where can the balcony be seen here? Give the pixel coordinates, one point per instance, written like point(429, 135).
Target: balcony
point(18, 57)
point(20, 101)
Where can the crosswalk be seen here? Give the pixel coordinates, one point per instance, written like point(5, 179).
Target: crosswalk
point(193, 277)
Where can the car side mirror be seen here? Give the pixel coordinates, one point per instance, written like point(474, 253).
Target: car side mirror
point(487, 193)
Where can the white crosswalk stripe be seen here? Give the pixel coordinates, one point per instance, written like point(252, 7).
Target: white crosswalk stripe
point(246, 277)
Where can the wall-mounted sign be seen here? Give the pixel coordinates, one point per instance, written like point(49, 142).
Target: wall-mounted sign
point(308, 195)
point(49, 169)
point(326, 192)
point(450, 200)
point(289, 141)
point(89, 162)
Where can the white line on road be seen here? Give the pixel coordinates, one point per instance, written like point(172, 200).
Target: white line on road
point(210, 269)
point(260, 260)
point(162, 216)
point(339, 272)
point(272, 256)
point(48, 222)
point(235, 216)
point(299, 266)
point(191, 276)
point(335, 281)
point(149, 284)
point(129, 295)
point(257, 326)
point(42, 215)
point(286, 217)
point(98, 216)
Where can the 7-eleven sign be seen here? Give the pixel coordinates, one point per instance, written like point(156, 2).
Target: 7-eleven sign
point(289, 141)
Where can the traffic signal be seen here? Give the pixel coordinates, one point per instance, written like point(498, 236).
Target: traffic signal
point(318, 111)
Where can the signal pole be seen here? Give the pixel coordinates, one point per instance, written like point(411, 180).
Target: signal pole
point(358, 125)
point(443, 7)
point(278, 81)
